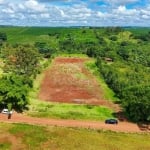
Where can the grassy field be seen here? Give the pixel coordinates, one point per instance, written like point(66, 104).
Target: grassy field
point(21, 136)
point(139, 31)
point(40, 108)
point(46, 34)
point(68, 111)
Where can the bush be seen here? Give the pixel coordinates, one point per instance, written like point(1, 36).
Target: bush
point(13, 92)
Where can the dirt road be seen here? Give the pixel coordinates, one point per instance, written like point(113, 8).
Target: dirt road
point(121, 127)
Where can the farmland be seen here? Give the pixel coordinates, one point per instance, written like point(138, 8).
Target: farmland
point(117, 44)
point(79, 74)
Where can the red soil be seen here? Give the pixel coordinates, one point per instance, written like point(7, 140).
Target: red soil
point(70, 60)
point(69, 81)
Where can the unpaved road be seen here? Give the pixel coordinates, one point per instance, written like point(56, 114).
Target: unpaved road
point(121, 127)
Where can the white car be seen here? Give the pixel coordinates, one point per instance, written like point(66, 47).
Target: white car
point(6, 111)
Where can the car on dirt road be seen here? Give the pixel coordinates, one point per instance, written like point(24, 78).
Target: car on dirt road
point(111, 121)
point(6, 111)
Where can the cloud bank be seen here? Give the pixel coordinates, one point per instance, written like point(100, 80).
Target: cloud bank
point(75, 12)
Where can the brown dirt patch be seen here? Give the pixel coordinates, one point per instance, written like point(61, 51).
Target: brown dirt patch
point(14, 142)
point(69, 81)
point(70, 60)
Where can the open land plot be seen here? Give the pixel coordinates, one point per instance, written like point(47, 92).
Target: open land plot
point(68, 80)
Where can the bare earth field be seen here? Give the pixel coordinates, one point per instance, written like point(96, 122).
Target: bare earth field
point(69, 81)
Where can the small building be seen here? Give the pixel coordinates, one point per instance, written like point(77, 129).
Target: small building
point(107, 59)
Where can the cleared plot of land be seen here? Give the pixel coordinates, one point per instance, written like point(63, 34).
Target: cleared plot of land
point(21, 136)
point(76, 110)
point(69, 81)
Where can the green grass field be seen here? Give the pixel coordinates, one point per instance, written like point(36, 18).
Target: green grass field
point(69, 111)
point(35, 34)
point(22, 136)
point(139, 31)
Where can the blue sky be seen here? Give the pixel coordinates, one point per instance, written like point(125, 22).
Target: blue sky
point(75, 12)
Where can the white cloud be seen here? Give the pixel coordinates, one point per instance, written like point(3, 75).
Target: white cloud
point(45, 15)
point(8, 10)
point(121, 1)
point(33, 12)
point(1, 1)
point(33, 5)
point(121, 10)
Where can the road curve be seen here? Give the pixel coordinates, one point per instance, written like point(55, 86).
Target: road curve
point(121, 127)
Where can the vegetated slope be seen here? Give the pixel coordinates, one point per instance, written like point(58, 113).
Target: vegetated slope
point(22, 136)
point(69, 81)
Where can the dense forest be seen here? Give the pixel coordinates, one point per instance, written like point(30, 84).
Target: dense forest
point(122, 56)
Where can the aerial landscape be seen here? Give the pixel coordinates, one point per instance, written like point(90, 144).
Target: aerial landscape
point(74, 75)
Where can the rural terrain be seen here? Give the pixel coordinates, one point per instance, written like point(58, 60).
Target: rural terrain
point(65, 82)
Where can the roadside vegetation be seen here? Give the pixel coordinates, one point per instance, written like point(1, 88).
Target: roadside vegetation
point(38, 137)
point(68, 111)
point(122, 57)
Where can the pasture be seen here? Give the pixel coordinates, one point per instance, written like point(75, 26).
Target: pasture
point(30, 35)
point(22, 136)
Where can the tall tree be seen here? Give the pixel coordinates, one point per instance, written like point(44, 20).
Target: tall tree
point(22, 60)
point(13, 92)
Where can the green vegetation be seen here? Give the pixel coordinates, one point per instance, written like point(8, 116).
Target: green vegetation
point(125, 68)
point(122, 56)
point(3, 38)
point(5, 145)
point(21, 59)
point(38, 137)
point(13, 92)
point(31, 136)
point(108, 93)
point(69, 111)
point(21, 64)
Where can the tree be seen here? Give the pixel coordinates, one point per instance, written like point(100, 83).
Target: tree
point(137, 102)
point(113, 38)
point(3, 36)
point(124, 53)
point(44, 49)
point(13, 92)
point(22, 60)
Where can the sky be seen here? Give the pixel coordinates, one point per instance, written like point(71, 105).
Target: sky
point(75, 12)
